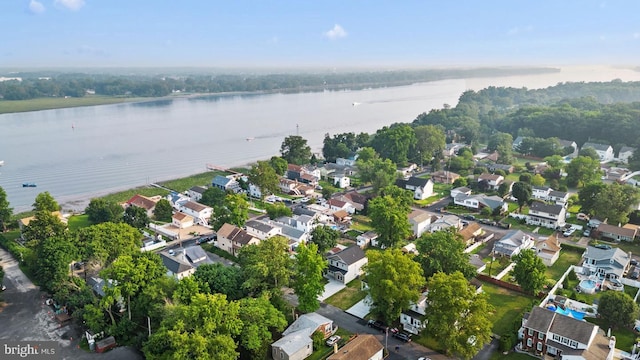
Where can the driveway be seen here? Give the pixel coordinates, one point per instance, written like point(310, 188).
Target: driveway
point(25, 317)
point(361, 308)
point(330, 288)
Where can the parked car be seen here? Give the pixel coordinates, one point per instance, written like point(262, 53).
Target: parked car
point(569, 232)
point(424, 358)
point(469, 217)
point(402, 336)
point(171, 252)
point(332, 340)
point(602, 246)
point(634, 262)
point(587, 232)
point(376, 324)
point(635, 274)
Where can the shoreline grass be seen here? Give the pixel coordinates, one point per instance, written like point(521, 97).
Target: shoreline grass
point(15, 106)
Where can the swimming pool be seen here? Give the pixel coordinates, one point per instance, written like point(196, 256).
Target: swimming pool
point(588, 286)
point(578, 315)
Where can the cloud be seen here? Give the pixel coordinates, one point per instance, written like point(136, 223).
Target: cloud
point(336, 32)
point(36, 7)
point(74, 5)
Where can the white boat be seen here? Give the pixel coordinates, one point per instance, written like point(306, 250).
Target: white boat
point(356, 103)
point(250, 138)
point(1, 162)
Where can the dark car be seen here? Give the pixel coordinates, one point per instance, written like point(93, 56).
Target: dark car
point(469, 217)
point(635, 274)
point(402, 336)
point(376, 324)
point(634, 262)
point(602, 246)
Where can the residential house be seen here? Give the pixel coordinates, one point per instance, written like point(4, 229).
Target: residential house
point(341, 216)
point(303, 174)
point(471, 232)
point(177, 265)
point(363, 347)
point(479, 201)
point(200, 213)
point(296, 343)
point(545, 215)
point(605, 152)
point(625, 153)
point(540, 192)
point(330, 168)
point(363, 240)
point(445, 222)
point(504, 167)
point(262, 230)
point(413, 320)
point(141, 201)
point(571, 146)
point(197, 256)
point(515, 145)
point(181, 220)
point(293, 187)
point(444, 177)
point(226, 183)
point(304, 223)
point(460, 190)
point(195, 193)
point(493, 181)
point(421, 188)
point(550, 333)
point(294, 235)
point(337, 205)
point(255, 192)
point(512, 243)
point(407, 170)
point(452, 149)
point(341, 180)
point(548, 250)
point(476, 261)
point(353, 198)
point(231, 239)
point(420, 221)
point(608, 263)
point(558, 197)
point(350, 161)
point(616, 233)
point(25, 221)
point(347, 264)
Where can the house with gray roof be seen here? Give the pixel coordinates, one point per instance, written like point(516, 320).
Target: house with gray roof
point(547, 332)
point(512, 243)
point(347, 264)
point(546, 215)
point(262, 230)
point(420, 221)
point(625, 153)
point(420, 187)
point(196, 255)
point(296, 343)
point(604, 151)
point(444, 222)
point(226, 184)
point(177, 265)
point(479, 201)
point(571, 146)
point(195, 193)
point(607, 263)
point(616, 233)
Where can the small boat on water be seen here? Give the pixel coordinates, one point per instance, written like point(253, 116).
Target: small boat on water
point(1, 162)
point(28, 184)
point(250, 138)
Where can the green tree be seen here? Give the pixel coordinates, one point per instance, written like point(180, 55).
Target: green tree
point(460, 182)
point(503, 189)
point(529, 271)
point(367, 153)
point(259, 320)
point(266, 265)
point(618, 309)
point(502, 143)
point(522, 192)
point(294, 150)
point(131, 274)
point(277, 210)
point(589, 152)
point(614, 202)
point(324, 237)
point(136, 217)
point(430, 141)
point(100, 210)
point(221, 279)
point(44, 225)
point(213, 197)
point(582, 170)
point(389, 219)
point(54, 256)
point(380, 173)
point(587, 196)
point(235, 211)
point(264, 177)
point(203, 329)
point(101, 244)
point(5, 210)
point(394, 281)
point(538, 180)
point(308, 281)
point(443, 251)
point(186, 289)
point(394, 142)
point(278, 164)
point(45, 202)
point(163, 210)
point(458, 318)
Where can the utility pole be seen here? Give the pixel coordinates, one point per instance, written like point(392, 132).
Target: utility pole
point(297, 130)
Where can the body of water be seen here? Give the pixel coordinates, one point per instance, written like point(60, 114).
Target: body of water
point(81, 152)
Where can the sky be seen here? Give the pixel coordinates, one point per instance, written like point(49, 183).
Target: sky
point(324, 33)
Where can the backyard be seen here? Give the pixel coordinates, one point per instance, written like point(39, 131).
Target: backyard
point(361, 223)
point(349, 296)
point(508, 307)
point(568, 256)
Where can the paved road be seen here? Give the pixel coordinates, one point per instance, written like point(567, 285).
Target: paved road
point(355, 325)
point(25, 317)
point(487, 351)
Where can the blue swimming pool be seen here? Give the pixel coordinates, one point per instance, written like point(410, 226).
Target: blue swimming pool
point(588, 286)
point(578, 315)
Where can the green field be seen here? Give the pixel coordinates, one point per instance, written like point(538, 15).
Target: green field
point(349, 296)
point(567, 257)
point(508, 307)
point(12, 106)
point(78, 222)
point(184, 184)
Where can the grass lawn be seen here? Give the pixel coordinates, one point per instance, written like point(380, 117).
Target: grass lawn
point(123, 196)
point(11, 235)
point(495, 266)
point(361, 223)
point(511, 356)
point(625, 338)
point(79, 221)
point(567, 257)
point(508, 307)
point(11, 106)
point(348, 296)
point(428, 341)
point(184, 184)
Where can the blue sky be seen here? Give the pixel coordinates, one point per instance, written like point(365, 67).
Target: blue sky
point(325, 33)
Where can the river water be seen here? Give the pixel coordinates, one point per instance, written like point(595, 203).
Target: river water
point(77, 153)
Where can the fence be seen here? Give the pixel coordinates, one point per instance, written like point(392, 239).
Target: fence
point(506, 285)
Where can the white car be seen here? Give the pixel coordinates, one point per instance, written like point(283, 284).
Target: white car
point(332, 340)
point(569, 232)
point(424, 358)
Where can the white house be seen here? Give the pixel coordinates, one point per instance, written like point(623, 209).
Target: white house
point(420, 221)
point(254, 191)
point(181, 220)
point(444, 222)
point(350, 161)
point(571, 145)
point(177, 265)
point(460, 190)
point(540, 192)
point(337, 205)
point(200, 213)
point(226, 183)
point(625, 153)
point(363, 240)
point(421, 188)
point(479, 201)
point(548, 250)
point(347, 264)
point(262, 230)
point(605, 152)
point(549, 216)
point(341, 180)
point(512, 243)
point(195, 193)
point(413, 320)
point(492, 180)
point(296, 343)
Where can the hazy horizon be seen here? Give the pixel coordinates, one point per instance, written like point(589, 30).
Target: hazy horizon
point(331, 34)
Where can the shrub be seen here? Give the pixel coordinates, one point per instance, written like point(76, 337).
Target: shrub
point(506, 342)
point(318, 339)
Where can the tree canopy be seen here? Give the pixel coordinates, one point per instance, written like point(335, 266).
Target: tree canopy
point(45, 202)
point(308, 283)
point(522, 192)
point(163, 210)
point(324, 237)
point(100, 210)
point(582, 170)
point(529, 271)
point(266, 265)
point(136, 217)
point(389, 218)
point(5, 210)
point(443, 251)
point(264, 176)
point(294, 150)
point(394, 143)
point(618, 309)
